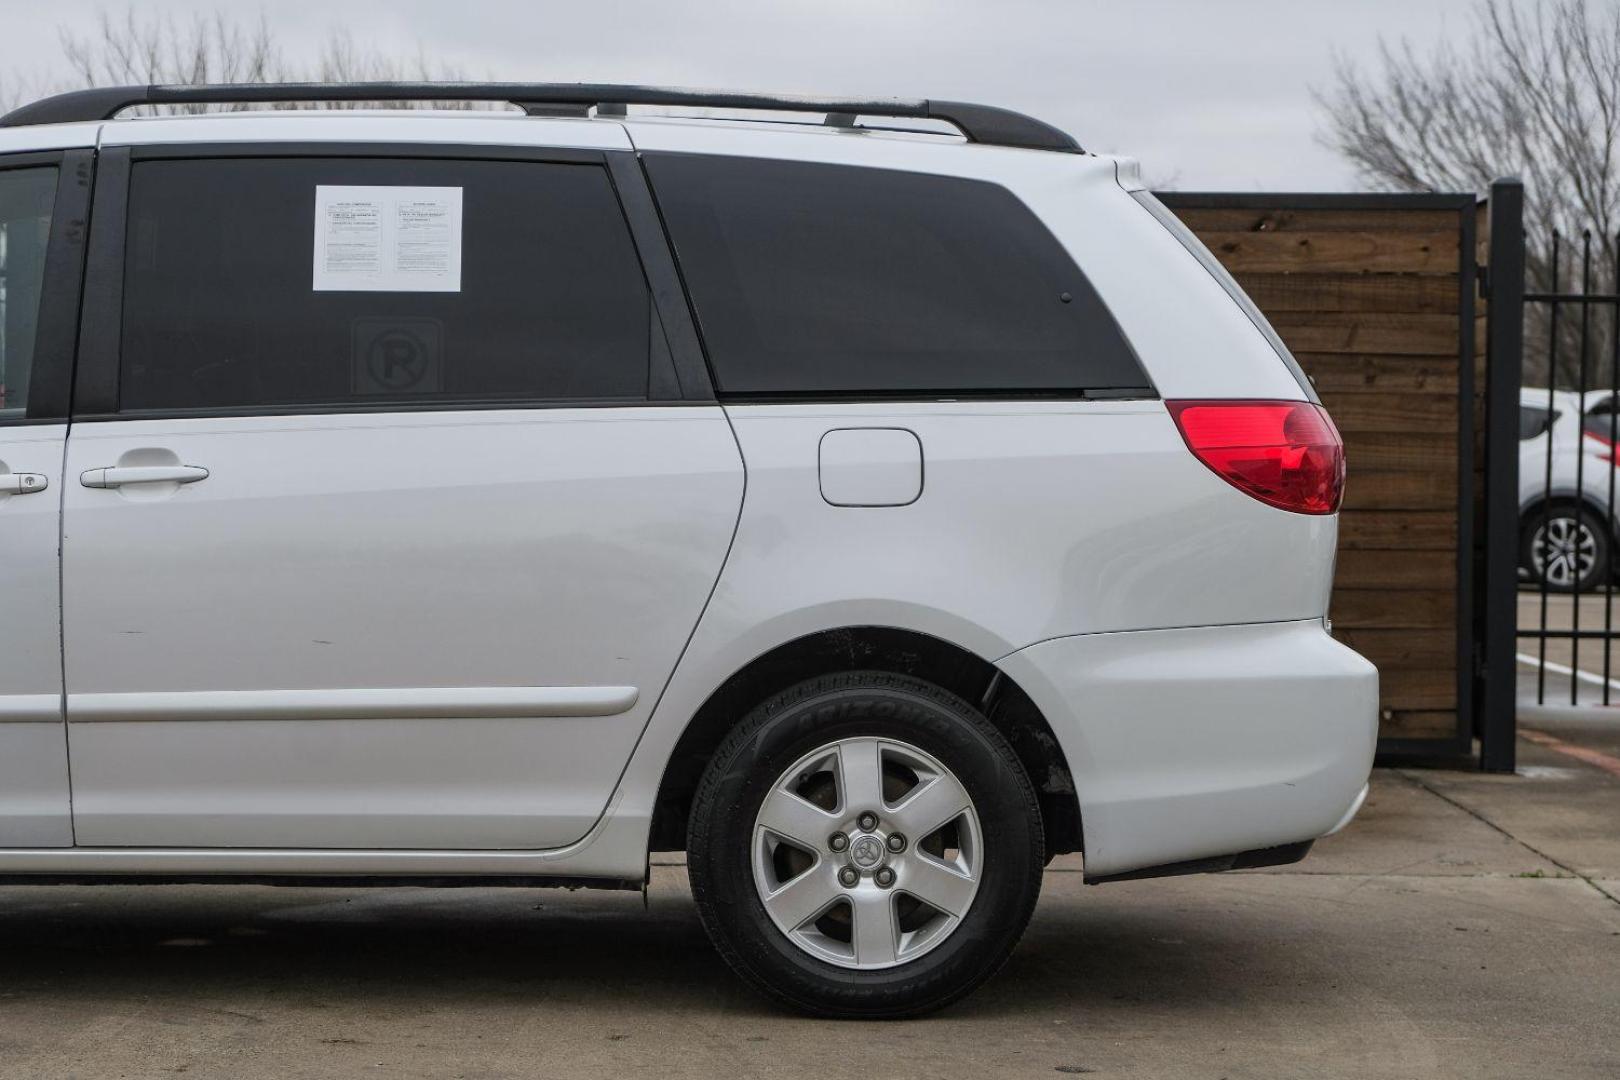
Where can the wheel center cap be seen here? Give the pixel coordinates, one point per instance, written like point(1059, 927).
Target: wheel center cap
point(867, 852)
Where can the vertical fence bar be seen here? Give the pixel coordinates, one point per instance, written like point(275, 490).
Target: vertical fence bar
point(1504, 375)
point(1614, 438)
point(1470, 412)
point(1576, 546)
point(1546, 540)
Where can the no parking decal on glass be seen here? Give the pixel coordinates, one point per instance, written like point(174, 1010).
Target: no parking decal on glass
point(387, 239)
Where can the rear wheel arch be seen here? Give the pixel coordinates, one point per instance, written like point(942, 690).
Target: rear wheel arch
point(1539, 504)
point(872, 648)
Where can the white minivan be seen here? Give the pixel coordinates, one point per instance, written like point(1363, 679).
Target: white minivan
point(497, 497)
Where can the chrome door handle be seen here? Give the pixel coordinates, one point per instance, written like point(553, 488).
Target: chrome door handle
point(22, 483)
point(114, 476)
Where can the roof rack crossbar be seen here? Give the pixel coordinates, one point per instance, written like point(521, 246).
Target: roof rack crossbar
point(978, 123)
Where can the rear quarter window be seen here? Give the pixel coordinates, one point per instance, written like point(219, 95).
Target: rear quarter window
point(1533, 421)
point(814, 280)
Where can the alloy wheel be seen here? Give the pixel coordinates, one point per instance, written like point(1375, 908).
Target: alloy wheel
point(867, 853)
point(1564, 550)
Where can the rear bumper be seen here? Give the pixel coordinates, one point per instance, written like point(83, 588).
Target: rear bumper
point(1188, 745)
point(1243, 860)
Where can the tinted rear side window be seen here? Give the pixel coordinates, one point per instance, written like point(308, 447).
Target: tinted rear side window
point(812, 279)
point(1600, 420)
point(26, 196)
point(221, 309)
point(1533, 421)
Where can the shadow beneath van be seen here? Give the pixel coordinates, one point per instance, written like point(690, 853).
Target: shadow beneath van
point(398, 949)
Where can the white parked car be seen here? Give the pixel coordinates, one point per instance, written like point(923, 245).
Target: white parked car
point(1568, 485)
point(495, 497)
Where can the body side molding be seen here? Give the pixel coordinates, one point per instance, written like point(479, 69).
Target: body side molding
point(389, 704)
point(30, 708)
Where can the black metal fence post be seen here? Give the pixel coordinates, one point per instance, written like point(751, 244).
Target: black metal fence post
point(1504, 375)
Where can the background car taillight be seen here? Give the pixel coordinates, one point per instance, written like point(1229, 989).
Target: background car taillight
point(1285, 453)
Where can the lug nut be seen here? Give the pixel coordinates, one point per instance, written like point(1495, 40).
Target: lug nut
point(838, 841)
point(867, 821)
point(897, 842)
point(884, 877)
point(849, 877)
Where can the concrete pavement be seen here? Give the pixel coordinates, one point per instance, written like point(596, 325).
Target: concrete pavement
point(1464, 926)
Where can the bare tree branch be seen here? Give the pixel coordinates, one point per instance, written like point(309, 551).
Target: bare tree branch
point(1533, 93)
point(140, 48)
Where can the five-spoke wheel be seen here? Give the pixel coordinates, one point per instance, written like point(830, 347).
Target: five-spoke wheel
point(833, 863)
point(865, 844)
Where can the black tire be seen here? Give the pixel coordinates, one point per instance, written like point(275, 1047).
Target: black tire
point(798, 721)
point(1566, 515)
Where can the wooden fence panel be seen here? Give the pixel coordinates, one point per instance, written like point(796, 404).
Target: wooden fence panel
point(1375, 297)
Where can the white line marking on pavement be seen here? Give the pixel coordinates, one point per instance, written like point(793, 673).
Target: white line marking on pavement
point(1563, 669)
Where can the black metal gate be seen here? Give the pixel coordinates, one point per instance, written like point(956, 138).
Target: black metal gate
point(1552, 452)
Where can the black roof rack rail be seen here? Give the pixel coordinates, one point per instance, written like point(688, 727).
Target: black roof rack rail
point(979, 123)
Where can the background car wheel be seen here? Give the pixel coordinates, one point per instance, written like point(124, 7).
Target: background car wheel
point(865, 845)
point(1568, 545)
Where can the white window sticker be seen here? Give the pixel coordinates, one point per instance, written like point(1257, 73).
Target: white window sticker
point(387, 239)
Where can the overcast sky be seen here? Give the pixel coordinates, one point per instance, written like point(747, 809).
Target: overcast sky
point(1210, 94)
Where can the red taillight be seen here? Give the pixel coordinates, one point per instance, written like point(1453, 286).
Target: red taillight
point(1286, 453)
